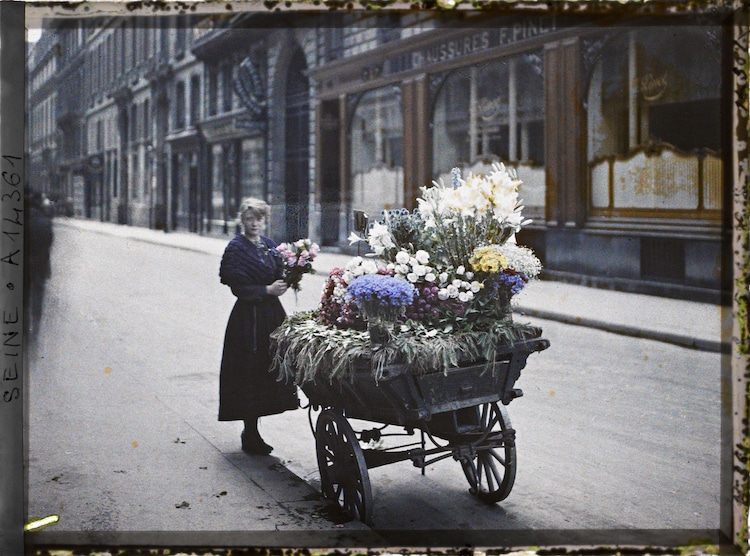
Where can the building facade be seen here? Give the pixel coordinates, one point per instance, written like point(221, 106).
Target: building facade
point(620, 133)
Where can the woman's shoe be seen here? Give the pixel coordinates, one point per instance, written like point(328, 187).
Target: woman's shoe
point(253, 444)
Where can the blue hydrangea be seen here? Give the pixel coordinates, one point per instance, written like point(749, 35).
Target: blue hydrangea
point(515, 282)
point(384, 290)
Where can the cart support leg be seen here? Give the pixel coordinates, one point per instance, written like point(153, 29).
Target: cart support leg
point(424, 461)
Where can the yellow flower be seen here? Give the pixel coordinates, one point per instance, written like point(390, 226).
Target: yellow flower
point(488, 259)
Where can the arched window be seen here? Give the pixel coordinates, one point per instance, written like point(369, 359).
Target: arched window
point(377, 168)
point(654, 124)
point(493, 112)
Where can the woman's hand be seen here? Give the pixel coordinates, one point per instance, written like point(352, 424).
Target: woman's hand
point(278, 288)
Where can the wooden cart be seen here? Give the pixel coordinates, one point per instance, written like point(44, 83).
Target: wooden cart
point(461, 411)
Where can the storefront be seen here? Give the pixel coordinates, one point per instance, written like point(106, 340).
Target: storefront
point(617, 133)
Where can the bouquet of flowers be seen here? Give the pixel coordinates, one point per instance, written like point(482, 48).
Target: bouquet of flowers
point(298, 258)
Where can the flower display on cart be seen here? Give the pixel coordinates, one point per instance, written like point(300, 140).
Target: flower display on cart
point(298, 258)
point(450, 268)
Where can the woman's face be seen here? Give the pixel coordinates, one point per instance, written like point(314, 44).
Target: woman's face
point(253, 225)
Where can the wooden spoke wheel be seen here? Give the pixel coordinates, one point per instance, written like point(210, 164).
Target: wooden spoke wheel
point(343, 471)
point(490, 467)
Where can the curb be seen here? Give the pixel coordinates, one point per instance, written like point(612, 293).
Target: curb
point(632, 331)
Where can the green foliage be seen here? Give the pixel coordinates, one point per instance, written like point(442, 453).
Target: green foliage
point(305, 350)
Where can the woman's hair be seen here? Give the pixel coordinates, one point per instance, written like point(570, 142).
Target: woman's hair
point(258, 207)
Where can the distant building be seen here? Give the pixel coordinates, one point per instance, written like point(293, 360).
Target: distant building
point(619, 132)
point(42, 135)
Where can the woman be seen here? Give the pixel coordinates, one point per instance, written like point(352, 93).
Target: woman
point(253, 270)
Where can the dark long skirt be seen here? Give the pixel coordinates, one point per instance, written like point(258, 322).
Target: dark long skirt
point(246, 388)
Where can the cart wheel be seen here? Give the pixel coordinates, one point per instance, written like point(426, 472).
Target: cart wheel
point(343, 471)
point(491, 471)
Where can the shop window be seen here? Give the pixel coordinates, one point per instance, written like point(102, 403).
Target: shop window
point(654, 124)
point(377, 130)
point(493, 112)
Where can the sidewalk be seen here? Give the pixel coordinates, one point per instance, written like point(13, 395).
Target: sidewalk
point(702, 326)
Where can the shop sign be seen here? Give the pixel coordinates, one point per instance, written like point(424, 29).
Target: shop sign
point(473, 43)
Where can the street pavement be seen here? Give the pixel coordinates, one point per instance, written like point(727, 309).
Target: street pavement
point(279, 497)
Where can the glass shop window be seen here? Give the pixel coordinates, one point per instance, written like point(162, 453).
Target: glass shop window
point(493, 113)
point(377, 131)
point(654, 123)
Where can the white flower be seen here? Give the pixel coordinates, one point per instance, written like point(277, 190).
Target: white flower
point(354, 238)
point(443, 294)
point(423, 257)
point(402, 257)
point(456, 283)
point(452, 291)
point(469, 275)
point(412, 277)
point(355, 262)
point(460, 269)
point(402, 269)
point(463, 297)
point(420, 270)
point(430, 277)
point(379, 238)
point(443, 277)
point(476, 286)
point(369, 267)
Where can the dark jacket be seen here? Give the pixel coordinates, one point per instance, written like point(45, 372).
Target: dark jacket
point(246, 388)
